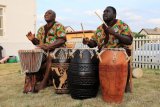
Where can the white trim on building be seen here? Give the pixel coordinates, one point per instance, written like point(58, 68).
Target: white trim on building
point(2, 20)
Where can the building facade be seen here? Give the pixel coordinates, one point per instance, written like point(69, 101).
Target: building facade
point(17, 18)
point(151, 33)
point(74, 39)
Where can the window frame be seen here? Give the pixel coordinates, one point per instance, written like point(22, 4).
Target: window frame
point(2, 15)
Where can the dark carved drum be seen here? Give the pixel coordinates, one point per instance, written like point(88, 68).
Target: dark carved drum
point(113, 68)
point(83, 77)
point(60, 63)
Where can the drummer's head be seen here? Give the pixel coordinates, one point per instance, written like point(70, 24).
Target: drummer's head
point(109, 13)
point(49, 16)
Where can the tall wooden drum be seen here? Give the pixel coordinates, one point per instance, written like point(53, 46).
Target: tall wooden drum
point(30, 63)
point(59, 67)
point(113, 69)
point(83, 78)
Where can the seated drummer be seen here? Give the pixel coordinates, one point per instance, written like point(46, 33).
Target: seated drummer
point(50, 36)
point(116, 35)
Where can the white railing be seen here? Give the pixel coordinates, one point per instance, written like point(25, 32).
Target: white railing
point(146, 52)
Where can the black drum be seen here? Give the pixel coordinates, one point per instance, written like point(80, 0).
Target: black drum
point(60, 63)
point(83, 76)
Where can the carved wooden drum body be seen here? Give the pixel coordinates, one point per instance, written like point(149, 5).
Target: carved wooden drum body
point(83, 78)
point(60, 63)
point(113, 68)
point(30, 63)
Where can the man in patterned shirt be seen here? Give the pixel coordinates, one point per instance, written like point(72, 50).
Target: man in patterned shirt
point(50, 36)
point(116, 35)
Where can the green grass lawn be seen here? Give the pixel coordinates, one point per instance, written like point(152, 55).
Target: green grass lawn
point(146, 92)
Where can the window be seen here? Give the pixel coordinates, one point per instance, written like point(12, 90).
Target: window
point(1, 21)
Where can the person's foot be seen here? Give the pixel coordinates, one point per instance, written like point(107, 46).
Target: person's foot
point(35, 90)
point(40, 86)
point(25, 92)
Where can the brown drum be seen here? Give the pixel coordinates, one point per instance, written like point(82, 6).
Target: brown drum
point(113, 68)
point(60, 63)
point(30, 63)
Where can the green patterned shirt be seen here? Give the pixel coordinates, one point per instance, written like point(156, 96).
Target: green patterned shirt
point(119, 27)
point(57, 31)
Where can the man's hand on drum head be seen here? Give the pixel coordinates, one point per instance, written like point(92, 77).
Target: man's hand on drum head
point(30, 36)
point(85, 40)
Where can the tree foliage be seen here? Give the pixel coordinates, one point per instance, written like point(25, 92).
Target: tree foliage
point(137, 35)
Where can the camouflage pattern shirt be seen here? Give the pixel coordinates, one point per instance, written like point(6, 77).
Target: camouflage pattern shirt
point(56, 31)
point(113, 42)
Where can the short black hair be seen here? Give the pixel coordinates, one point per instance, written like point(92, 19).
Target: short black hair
point(114, 10)
point(53, 12)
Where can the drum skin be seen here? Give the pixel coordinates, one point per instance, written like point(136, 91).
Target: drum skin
point(113, 75)
point(59, 68)
point(83, 79)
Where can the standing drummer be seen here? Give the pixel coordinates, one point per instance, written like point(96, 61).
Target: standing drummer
point(49, 36)
point(116, 34)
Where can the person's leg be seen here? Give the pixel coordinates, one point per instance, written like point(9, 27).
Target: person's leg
point(46, 76)
point(3, 60)
point(128, 87)
point(32, 80)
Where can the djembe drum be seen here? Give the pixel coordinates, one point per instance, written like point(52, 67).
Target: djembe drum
point(83, 78)
point(59, 67)
point(30, 63)
point(113, 69)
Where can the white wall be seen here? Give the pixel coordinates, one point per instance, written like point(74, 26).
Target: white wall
point(19, 19)
point(153, 36)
